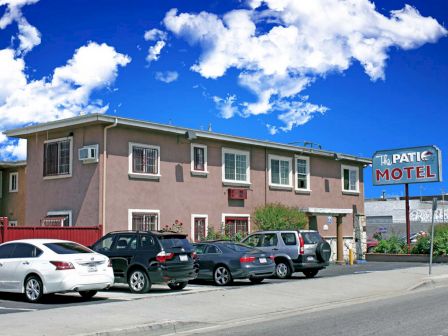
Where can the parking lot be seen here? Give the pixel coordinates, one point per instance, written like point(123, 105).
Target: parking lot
point(14, 303)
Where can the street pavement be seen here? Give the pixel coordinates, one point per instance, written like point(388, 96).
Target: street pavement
point(118, 312)
point(420, 314)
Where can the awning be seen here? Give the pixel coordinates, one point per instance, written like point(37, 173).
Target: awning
point(326, 211)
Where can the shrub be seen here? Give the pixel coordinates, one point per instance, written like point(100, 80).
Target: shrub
point(212, 234)
point(393, 245)
point(276, 216)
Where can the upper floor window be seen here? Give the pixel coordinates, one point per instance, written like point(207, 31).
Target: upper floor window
point(350, 178)
point(235, 166)
point(144, 160)
point(13, 182)
point(198, 158)
point(58, 157)
point(302, 173)
point(280, 171)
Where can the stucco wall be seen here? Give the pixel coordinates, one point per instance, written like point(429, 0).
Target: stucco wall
point(12, 204)
point(79, 193)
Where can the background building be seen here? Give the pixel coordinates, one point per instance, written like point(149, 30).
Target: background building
point(12, 191)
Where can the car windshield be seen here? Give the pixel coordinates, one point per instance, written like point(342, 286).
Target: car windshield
point(67, 248)
point(238, 247)
point(311, 237)
point(170, 242)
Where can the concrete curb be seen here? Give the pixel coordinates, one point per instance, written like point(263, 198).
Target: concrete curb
point(431, 282)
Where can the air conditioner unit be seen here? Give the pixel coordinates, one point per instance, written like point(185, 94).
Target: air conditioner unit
point(89, 154)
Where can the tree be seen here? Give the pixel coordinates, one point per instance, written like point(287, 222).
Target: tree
point(276, 216)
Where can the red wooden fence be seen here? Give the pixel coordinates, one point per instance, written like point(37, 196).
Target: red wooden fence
point(85, 235)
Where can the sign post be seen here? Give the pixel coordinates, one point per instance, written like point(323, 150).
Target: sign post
point(406, 166)
point(434, 208)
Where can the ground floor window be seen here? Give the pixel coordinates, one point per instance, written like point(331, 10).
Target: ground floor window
point(144, 220)
point(236, 225)
point(57, 218)
point(12, 223)
point(199, 227)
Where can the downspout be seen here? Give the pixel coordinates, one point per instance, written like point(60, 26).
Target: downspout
point(103, 210)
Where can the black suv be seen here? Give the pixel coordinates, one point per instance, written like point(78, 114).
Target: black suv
point(141, 258)
point(294, 251)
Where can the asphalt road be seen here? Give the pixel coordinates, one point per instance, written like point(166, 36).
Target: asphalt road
point(13, 303)
point(418, 314)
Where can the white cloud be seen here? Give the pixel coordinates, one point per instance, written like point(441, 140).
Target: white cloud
point(306, 40)
point(66, 93)
point(167, 76)
point(226, 106)
point(155, 50)
point(29, 36)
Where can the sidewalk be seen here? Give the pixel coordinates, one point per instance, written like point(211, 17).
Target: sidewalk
point(162, 314)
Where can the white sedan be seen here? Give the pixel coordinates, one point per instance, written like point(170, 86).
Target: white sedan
point(42, 266)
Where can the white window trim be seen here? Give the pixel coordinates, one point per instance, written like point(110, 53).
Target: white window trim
point(143, 175)
point(11, 175)
point(193, 216)
point(238, 152)
point(308, 174)
point(199, 172)
point(12, 223)
point(70, 174)
point(224, 215)
point(146, 211)
point(280, 158)
point(345, 191)
point(62, 213)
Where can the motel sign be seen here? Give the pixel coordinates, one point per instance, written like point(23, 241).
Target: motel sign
point(407, 165)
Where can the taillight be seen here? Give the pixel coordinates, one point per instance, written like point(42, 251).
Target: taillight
point(194, 255)
point(302, 245)
point(247, 259)
point(109, 264)
point(163, 256)
point(62, 265)
point(272, 257)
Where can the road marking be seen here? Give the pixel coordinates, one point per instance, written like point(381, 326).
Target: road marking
point(21, 309)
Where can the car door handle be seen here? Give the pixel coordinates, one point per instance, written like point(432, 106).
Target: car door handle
point(275, 249)
point(25, 263)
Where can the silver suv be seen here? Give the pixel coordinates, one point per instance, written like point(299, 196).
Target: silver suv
point(294, 251)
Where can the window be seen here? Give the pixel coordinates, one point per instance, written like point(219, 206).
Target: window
point(147, 241)
point(67, 248)
point(105, 244)
point(199, 227)
point(254, 240)
point(235, 166)
point(126, 242)
point(58, 157)
point(13, 182)
point(199, 159)
point(350, 179)
point(143, 220)
point(12, 223)
point(58, 218)
point(236, 224)
point(144, 160)
point(212, 249)
point(26, 251)
point(289, 238)
point(302, 173)
point(200, 248)
point(270, 239)
point(280, 171)
point(6, 250)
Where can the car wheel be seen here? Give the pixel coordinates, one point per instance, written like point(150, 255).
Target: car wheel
point(177, 285)
point(88, 294)
point(139, 282)
point(283, 270)
point(33, 289)
point(310, 273)
point(222, 276)
point(256, 280)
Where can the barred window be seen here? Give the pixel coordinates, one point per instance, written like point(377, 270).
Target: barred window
point(145, 221)
point(57, 157)
point(200, 228)
point(145, 160)
point(236, 225)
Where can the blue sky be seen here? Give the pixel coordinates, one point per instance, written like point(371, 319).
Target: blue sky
point(352, 81)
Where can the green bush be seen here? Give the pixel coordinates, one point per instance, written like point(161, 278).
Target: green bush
point(276, 216)
point(393, 245)
point(423, 245)
point(212, 234)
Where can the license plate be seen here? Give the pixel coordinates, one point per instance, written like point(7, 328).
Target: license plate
point(91, 269)
point(310, 258)
point(183, 257)
point(263, 261)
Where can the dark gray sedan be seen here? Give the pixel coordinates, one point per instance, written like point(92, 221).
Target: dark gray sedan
point(224, 261)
